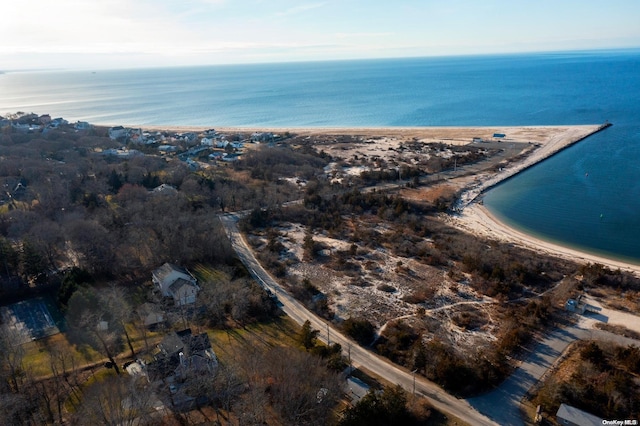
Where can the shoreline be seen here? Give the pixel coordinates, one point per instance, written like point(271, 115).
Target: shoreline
point(361, 130)
point(471, 215)
point(474, 217)
point(479, 220)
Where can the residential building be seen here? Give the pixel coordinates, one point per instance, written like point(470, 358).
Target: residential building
point(572, 416)
point(177, 283)
point(117, 132)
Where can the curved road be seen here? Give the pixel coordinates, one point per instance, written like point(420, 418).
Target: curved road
point(358, 355)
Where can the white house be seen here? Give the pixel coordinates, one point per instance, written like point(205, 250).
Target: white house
point(177, 283)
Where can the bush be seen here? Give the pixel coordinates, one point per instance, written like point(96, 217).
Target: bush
point(360, 329)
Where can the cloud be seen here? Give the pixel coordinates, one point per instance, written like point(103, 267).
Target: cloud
point(363, 35)
point(300, 9)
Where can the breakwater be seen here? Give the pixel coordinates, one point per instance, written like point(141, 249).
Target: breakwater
point(549, 148)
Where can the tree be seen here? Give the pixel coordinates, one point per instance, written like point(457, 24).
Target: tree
point(114, 182)
point(593, 353)
point(9, 258)
point(360, 329)
point(11, 355)
point(308, 336)
point(113, 301)
point(386, 408)
point(91, 324)
point(32, 262)
point(72, 280)
point(117, 400)
point(302, 389)
point(309, 246)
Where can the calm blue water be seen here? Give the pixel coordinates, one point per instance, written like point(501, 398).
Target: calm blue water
point(554, 199)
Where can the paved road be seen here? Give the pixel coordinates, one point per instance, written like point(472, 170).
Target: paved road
point(359, 356)
point(503, 404)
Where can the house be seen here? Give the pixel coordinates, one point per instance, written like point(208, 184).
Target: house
point(181, 353)
point(136, 135)
point(150, 315)
point(177, 283)
point(117, 132)
point(572, 416)
point(121, 152)
point(57, 122)
point(262, 137)
point(187, 136)
point(26, 128)
point(82, 125)
point(167, 148)
point(230, 157)
point(164, 189)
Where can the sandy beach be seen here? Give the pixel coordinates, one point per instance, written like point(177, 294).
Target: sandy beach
point(472, 216)
point(476, 219)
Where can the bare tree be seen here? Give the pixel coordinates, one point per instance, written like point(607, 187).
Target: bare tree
point(11, 356)
point(117, 400)
point(90, 323)
point(113, 300)
point(304, 391)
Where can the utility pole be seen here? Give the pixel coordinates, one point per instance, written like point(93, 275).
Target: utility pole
point(328, 335)
point(414, 382)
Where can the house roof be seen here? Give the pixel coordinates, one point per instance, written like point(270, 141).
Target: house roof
point(197, 349)
point(171, 344)
point(179, 283)
point(165, 188)
point(167, 269)
point(151, 314)
point(199, 342)
point(577, 416)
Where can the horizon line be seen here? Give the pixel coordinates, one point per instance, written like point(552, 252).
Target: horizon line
point(311, 61)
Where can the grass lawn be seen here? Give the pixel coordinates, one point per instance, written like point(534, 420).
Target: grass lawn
point(229, 344)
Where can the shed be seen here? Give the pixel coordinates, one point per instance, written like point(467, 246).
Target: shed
point(572, 416)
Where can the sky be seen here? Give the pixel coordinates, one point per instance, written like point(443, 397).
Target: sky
point(102, 34)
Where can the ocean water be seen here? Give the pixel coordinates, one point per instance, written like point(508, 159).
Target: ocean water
point(588, 196)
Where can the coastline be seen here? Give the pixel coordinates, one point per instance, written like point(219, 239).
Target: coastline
point(471, 215)
point(478, 220)
point(475, 218)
